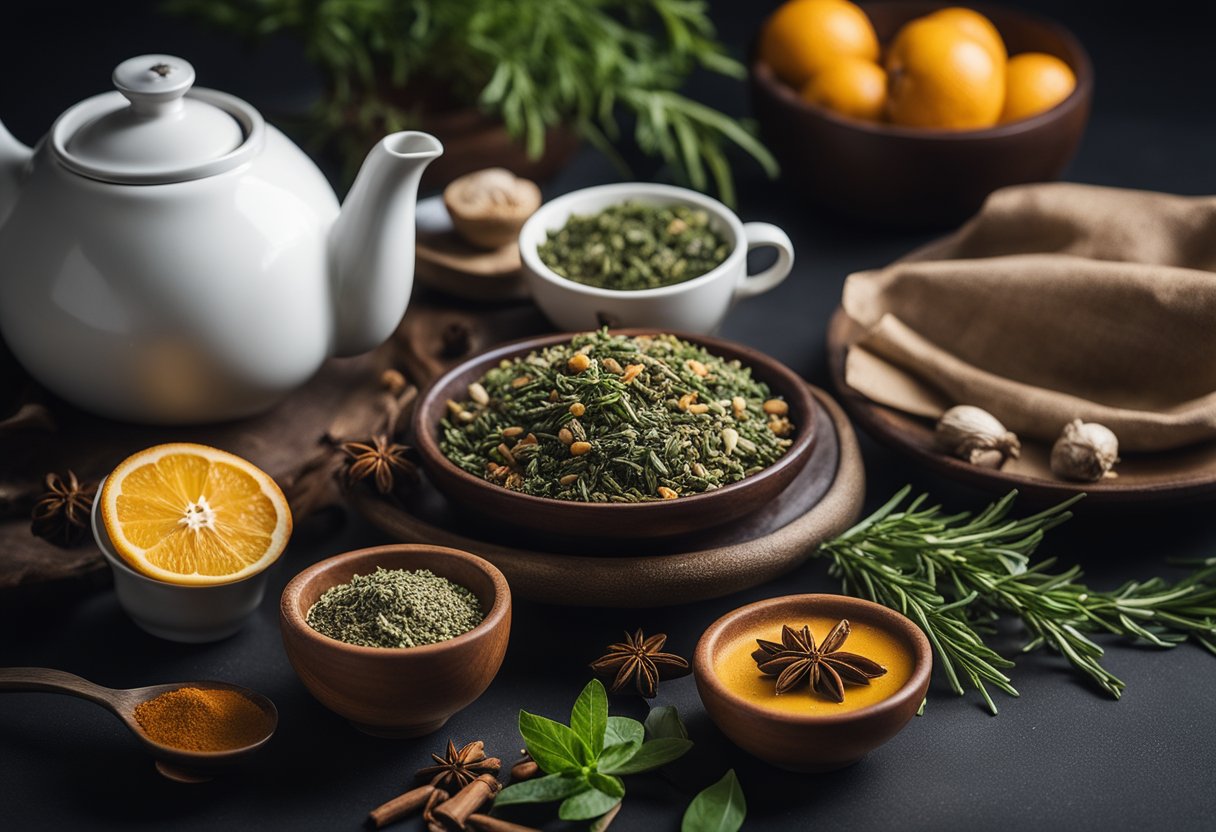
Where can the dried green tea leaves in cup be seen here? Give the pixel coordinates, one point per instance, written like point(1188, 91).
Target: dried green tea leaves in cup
point(635, 245)
point(395, 608)
point(610, 418)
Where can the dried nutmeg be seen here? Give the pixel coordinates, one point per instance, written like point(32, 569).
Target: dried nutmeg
point(488, 207)
point(1085, 451)
point(977, 436)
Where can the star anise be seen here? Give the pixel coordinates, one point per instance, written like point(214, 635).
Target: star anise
point(61, 515)
point(638, 660)
point(457, 768)
point(383, 462)
point(797, 659)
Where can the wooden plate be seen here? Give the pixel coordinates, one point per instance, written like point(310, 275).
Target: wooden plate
point(1185, 475)
point(448, 264)
point(823, 501)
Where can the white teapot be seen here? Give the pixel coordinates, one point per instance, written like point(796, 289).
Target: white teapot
point(167, 256)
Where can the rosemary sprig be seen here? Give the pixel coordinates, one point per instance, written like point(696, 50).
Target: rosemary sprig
point(954, 574)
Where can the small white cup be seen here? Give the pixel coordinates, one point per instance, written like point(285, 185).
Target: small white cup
point(694, 306)
point(190, 614)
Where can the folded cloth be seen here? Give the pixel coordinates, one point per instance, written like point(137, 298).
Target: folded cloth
point(1055, 302)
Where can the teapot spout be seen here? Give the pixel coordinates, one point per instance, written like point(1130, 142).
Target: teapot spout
point(371, 243)
point(14, 156)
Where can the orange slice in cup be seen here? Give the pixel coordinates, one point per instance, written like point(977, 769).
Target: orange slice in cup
point(193, 514)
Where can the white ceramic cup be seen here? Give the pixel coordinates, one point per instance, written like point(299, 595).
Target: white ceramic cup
point(191, 614)
point(695, 306)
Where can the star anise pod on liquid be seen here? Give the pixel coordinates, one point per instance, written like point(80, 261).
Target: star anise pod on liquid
point(457, 768)
point(638, 660)
point(797, 659)
point(383, 462)
point(61, 515)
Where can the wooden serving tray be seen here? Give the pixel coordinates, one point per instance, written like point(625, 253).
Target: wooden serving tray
point(1184, 475)
point(824, 500)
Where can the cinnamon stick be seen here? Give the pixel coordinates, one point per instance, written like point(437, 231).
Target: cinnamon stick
point(438, 797)
point(486, 823)
point(453, 813)
point(401, 806)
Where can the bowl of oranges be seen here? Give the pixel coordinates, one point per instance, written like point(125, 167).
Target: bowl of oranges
point(908, 113)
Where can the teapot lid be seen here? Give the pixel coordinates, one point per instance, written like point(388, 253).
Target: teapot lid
point(155, 129)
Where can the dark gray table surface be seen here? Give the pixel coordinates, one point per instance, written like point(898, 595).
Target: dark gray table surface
point(1063, 756)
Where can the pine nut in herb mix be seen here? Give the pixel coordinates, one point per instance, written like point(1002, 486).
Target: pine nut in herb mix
point(611, 418)
point(635, 245)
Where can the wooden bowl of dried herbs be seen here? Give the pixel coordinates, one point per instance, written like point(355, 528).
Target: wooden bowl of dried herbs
point(619, 434)
point(397, 638)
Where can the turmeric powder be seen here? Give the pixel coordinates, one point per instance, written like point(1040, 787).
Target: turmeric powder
point(193, 719)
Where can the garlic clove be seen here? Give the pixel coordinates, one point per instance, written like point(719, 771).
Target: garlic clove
point(488, 207)
point(1085, 451)
point(974, 434)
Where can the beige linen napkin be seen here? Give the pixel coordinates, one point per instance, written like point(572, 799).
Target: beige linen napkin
point(1055, 302)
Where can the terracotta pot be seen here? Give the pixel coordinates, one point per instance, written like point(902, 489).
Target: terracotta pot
point(398, 692)
point(660, 518)
point(919, 177)
point(810, 743)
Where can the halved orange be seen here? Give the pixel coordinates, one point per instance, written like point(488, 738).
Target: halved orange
point(193, 514)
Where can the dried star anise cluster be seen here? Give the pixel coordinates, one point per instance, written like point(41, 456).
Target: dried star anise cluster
point(388, 466)
point(459, 767)
point(61, 515)
point(797, 659)
point(639, 661)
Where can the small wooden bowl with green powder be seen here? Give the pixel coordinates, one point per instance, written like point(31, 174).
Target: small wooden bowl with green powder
point(397, 638)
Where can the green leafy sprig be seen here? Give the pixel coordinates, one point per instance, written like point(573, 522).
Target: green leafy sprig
point(584, 761)
point(720, 808)
point(955, 574)
point(589, 65)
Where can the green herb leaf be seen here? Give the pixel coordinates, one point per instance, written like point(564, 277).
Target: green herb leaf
point(664, 722)
point(554, 747)
point(586, 805)
point(589, 717)
point(720, 808)
point(542, 790)
point(622, 729)
point(609, 785)
point(651, 755)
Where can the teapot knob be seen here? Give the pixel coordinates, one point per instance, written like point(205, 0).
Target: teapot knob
point(154, 83)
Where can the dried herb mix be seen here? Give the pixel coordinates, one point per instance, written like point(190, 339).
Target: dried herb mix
point(395, 608)
point(635, 245)
point(610, 418)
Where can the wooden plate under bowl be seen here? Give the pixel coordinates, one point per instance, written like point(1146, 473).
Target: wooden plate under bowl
point(661, 518)
point(1184, 475)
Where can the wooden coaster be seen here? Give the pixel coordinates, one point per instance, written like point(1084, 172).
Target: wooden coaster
point(824, 501)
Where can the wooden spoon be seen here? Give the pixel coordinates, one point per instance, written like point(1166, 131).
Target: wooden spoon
point(174, 763)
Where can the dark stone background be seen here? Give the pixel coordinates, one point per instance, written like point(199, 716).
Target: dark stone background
point(1061, 756)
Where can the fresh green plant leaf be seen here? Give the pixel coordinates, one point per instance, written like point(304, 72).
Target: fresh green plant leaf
point(554, 747)
point(650, 755)
point(589, 717)
point(615, 756)
point(586, 805)
point(622, 729)
point(606, 783)
point(720, 808)
point(664, 722)
point(542, 789)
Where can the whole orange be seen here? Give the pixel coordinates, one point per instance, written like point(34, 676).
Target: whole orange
point(940, 77)
point(852, 87)
point(802, 37)
point(1034, 83)
point(975, 25)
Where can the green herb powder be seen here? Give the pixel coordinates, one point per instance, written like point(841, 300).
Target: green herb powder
point(395, 608)
point(635, 246)
point(608, 418)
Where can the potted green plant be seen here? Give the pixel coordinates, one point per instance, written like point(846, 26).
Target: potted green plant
point(512, 82)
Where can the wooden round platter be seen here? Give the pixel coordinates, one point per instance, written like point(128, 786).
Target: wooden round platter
point(1185, 475)
point(824, 500)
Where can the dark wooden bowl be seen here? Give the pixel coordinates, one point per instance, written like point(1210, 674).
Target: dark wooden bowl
point(398, 692)
point(612, 520)
point(913, 177)
point(810, 743)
